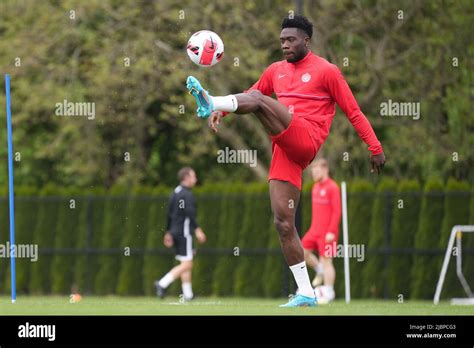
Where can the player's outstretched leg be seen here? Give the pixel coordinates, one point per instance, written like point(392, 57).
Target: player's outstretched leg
point(186, 285)
point(313, 262)
point(162, 284)
point(273, 115)
point(284, 199)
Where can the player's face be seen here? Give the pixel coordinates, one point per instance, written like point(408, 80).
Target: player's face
point(294, 43)
point(191, 179)
point(318, 172)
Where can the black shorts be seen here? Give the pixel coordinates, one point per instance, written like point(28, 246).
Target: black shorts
point(183, 246)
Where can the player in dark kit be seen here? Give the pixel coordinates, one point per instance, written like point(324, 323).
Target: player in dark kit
point(307, 87)
point(181, 227)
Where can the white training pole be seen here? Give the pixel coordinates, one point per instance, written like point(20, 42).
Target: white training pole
point(456, 229)
point(345, 239)
point(11, 194)
point(445, 266)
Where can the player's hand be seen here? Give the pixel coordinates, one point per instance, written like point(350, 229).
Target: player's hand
point(168, 240)
point(330, 237)
point(201, 237)
point(215, 119)
point(377, 162)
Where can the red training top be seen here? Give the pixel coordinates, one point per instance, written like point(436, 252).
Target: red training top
point(310, 88)
point(326, 208)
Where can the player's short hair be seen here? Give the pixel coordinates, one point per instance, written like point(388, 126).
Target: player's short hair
point(184, 172)
point(300, 22)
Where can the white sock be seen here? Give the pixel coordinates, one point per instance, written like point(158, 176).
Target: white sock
point(166, 280)
point(187, 290)
point(328, 292)
point(300, 272)
point(227, 103)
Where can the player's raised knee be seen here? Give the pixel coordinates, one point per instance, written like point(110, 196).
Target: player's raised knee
point(257, 96)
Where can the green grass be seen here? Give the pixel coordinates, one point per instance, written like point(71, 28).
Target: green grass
point(54, 305)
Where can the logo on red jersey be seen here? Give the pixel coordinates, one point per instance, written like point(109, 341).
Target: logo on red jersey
point(306, 77)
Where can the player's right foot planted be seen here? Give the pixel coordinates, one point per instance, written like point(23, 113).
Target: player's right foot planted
point(318, 280)
point(301, 301)
point(160, 291)
point(203, 100)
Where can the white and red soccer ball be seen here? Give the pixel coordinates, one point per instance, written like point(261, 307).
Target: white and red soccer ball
point(205, 48)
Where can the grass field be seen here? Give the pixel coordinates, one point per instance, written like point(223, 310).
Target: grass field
point(216, 306)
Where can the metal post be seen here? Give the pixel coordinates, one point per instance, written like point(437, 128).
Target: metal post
point(345, 237)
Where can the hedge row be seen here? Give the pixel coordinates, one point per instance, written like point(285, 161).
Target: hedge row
point(111, 242)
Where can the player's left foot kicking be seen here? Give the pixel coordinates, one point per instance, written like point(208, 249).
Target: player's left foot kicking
point(203, 100)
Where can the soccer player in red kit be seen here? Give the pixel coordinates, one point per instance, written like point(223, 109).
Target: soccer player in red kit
point(323, 233)
point(307, 88)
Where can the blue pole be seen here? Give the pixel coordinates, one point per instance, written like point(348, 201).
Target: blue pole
point(10, 190)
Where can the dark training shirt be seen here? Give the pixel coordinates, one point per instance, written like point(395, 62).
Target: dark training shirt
point(181, 211)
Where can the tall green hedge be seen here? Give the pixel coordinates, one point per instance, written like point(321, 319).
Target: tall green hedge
point(26, 213)
point(209, 206)
point(134, 237)
point(406, 213)
point(44, 237)
point(230, 226)
point(374, 274)
point(26, 204)
point(157, 261)
point(254, 235)
point(359, 206)
point(456, 212)
point(425, 269)
point(94, 234)
point(87, 265)
point(115, 218)
point(71, 222)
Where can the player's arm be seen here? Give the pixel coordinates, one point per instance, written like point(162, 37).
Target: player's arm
point(168, 239)
point(335, 202)
point(264, 85)
point(342, 94)
point(190, 209)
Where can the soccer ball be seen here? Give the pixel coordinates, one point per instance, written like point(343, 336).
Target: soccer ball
point(205, 48)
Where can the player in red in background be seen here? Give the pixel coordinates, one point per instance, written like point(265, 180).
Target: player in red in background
point(323, 233)
point(307, 87)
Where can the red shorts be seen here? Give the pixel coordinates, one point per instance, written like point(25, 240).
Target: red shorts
point(292, 151)
point(317, 242)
